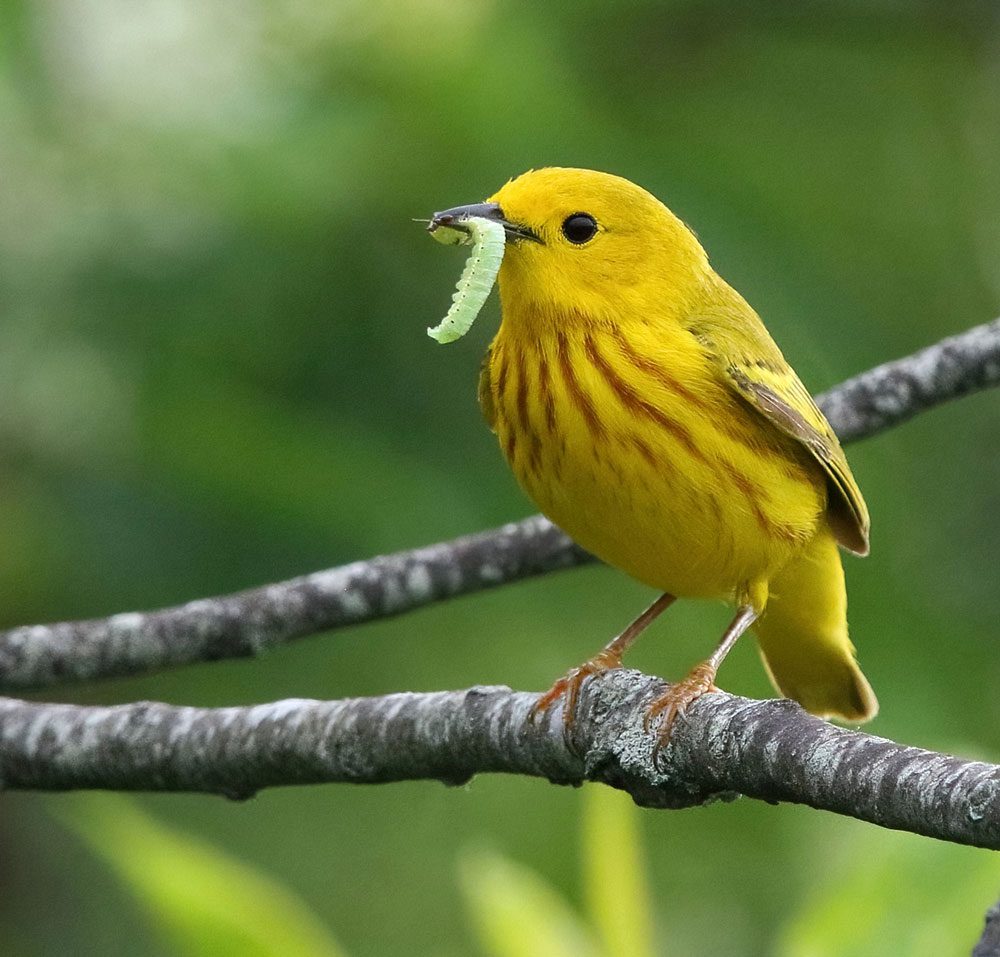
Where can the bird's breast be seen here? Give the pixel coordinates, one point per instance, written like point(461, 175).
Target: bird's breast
point(638, 452)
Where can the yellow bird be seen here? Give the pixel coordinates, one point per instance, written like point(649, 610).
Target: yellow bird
point(644, 407)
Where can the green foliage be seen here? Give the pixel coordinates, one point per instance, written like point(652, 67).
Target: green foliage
point(615, 878)
point(208, 902)
point(516, 913)
point(895, 894)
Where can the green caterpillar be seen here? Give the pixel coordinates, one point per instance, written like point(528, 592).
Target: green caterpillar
point(477, 279)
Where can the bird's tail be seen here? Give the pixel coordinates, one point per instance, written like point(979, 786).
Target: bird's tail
point(803, 636)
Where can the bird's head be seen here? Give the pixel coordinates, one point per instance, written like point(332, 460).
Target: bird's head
point(581, 242)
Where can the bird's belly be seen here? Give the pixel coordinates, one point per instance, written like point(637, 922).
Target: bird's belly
point(663, 536)
point(679, 503)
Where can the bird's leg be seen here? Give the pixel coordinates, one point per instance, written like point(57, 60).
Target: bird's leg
point(701, 679)
point(609, 657)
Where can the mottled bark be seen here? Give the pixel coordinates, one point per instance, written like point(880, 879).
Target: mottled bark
point(771, 750)
point(252, 621)
point(896, 391)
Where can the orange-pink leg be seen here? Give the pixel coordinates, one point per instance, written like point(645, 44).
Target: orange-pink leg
point(568, 687)
point(701, 679)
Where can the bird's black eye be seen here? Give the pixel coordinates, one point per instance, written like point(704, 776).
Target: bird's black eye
point(579, 227)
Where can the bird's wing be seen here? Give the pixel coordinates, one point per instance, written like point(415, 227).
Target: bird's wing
point(752, 365)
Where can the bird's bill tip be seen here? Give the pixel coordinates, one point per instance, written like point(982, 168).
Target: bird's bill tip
point(454, 217)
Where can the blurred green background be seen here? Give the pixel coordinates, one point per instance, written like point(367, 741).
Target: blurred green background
point(214, 373)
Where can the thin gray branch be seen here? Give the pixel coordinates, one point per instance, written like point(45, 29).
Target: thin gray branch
point(891, 393)
point(250, 622)
point(771, 750)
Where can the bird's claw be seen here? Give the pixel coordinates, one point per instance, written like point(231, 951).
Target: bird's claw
point(567, 690)
point(675, 701)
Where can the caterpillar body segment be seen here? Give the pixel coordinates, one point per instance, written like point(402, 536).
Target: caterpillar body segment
point(487, 239)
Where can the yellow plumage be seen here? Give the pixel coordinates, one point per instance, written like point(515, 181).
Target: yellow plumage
point(643, 406)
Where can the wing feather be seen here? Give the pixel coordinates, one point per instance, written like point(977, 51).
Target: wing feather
point(754, 368)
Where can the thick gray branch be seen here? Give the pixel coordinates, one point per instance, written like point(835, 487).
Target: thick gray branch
point(252, 621)
point(771, 750)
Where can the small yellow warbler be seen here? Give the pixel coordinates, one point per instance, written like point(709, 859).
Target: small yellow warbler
point(643, 406)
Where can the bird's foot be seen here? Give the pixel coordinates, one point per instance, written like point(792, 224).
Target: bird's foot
point(675, 701)
point(567, 688)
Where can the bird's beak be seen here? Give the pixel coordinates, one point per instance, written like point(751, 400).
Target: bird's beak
point(452, 218)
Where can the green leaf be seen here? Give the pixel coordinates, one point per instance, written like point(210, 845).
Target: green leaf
point(516, 913)
point(615, 879)
point(211, 904)
point(897, 894)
